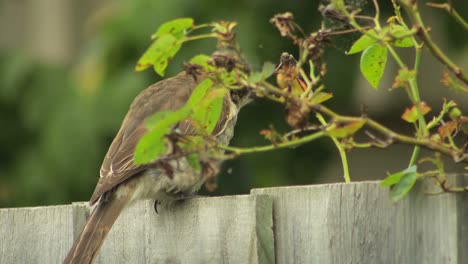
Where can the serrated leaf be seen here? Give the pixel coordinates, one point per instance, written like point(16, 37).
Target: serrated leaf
point(411, 114)
point(373, 61)
point(176, 28)
point(340, 130)
point(150, 146)
point(398, 31)
point(394, 178)
point(363, 42)
point(159, 54)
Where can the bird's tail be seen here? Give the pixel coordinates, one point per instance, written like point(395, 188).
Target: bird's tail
point(87, 246)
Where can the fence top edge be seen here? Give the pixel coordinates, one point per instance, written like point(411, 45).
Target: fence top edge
point(257, 191)
point(253, 192)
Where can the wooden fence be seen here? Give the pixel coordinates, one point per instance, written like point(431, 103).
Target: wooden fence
point(331, 223)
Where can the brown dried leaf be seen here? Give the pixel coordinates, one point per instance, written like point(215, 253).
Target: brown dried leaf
point(297, 114)
point(447, 129)
point(411, 114)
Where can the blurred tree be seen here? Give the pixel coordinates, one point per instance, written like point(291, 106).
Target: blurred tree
point(58, 121)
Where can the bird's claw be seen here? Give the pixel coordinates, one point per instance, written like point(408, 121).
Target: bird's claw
point(156, 202)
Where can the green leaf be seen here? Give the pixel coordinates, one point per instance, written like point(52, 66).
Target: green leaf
point(373, 61)
point(167, 119)
point(206, 105)
point(255, 77)
point(229, 79)
point(338, 4)
point(398, 31)
point(202, 60)
point(209, 111)
point(159, 54)
point(176, 28)
point(401, 182)
point(150, 146)
point(268, 69)
point(405, 184)
point(340, 130)
point(199, 93)
point(403, 77)
point(363, 42)
point(194, 162)
point(320, 97)
point(153, 143)
point(394, 178)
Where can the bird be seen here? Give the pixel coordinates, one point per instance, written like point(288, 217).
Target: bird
point(122, 182)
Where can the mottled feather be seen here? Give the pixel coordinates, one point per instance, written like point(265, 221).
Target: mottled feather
point(118, 163)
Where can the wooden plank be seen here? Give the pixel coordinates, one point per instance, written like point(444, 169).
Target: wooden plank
point(35, 235)
point(233, 229)
point(357, 223)
point(334, 223)
point(462, 220)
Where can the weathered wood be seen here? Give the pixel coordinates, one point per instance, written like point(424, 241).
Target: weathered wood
point(357, 223)
point(332, 223)
point(36, 235)
point(234, 229)
point(202, 230)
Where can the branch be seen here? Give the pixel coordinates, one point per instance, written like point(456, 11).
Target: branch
point(452, 12)
point(423, 33)
point(288, 144)
point(425, 142)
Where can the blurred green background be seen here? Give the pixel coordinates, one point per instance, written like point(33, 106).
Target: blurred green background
point(67, 79)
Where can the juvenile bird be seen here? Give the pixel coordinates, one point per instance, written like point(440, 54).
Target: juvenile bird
point(122, 182)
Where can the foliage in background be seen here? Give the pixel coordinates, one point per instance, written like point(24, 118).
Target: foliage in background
point(58, 121)
point(301, 88)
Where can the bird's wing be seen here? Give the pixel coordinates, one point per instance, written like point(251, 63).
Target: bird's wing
point(118, 165)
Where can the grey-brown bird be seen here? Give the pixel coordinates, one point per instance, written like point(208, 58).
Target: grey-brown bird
point(122, 182)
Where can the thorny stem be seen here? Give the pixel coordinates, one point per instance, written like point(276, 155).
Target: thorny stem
point(423, 32)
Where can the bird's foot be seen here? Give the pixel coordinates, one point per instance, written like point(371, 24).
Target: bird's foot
point(156, 202)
